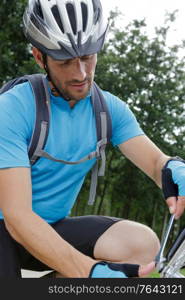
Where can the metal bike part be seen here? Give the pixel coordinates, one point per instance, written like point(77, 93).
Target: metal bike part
point(179, 240)
point(160, 258)
point(177, 261)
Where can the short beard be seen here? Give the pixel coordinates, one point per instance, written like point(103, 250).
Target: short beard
point(65, 94)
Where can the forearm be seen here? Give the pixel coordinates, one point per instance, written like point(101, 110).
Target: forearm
point(146, 156)
point(41, 240)
point(158, 165)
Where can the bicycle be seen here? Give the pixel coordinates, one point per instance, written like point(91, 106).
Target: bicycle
point(170, 265)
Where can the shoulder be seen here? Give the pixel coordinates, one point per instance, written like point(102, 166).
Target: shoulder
point(20, 94)
point(19, 100)
point(117, 107)
point(124, 123)
point(111, 99)
point(17, 107)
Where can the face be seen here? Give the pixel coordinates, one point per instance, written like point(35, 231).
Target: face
point(72, 77)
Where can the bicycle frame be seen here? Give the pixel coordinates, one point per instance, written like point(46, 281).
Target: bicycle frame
point(175, 259)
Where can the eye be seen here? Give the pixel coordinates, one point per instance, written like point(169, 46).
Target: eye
point(65, 62)
point(86, 57)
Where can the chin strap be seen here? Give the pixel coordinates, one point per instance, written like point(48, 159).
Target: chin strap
point(48, 77)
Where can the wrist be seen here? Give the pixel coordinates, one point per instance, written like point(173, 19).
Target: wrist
point(173, 159)
point(173, 174)
point(84, 267)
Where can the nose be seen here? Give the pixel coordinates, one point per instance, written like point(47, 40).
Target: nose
point(80, 72)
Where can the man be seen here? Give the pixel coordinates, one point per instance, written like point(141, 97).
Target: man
point(35, 231)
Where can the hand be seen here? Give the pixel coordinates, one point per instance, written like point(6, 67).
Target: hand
point(173, 182)
point(176, 205)
point(116, 270)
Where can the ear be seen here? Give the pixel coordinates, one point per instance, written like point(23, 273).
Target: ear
point(38, 57)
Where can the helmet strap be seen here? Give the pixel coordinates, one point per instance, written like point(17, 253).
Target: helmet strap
point(54, 89)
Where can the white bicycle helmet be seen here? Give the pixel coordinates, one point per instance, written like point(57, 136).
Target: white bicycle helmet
point(65, 29)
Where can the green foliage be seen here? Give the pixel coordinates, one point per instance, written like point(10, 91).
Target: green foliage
point(15, 57)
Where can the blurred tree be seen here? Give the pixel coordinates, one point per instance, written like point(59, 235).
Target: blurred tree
point(15, 57)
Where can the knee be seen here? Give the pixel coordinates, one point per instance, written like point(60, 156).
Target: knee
point(140, 243)
point(148, 244)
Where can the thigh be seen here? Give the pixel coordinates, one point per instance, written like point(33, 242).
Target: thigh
point(9, 258)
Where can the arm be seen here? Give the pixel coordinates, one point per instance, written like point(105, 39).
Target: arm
point(31, 231)
point(150, 159)
point(42, 241)
point(146, 156)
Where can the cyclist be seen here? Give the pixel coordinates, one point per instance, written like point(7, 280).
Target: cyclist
point(35, 230)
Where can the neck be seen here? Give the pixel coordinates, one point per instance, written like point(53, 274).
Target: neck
point(56, 94)
point(72, 103)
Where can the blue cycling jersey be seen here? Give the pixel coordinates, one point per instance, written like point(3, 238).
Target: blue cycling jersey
point(72, 135)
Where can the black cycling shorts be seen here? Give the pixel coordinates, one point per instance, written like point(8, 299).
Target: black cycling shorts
point(81, 232)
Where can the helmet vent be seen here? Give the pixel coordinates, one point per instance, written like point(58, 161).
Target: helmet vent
point(37, 10)
point(37, 18)
point(97, 10)
point(97, 16)
point(56, 14)
point(72, 17)
point(84, 15)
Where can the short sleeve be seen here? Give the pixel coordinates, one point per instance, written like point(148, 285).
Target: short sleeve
point(124, 123)
point(14, 132)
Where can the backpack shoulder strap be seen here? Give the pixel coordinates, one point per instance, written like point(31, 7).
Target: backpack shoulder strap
point(104, 133)
point(10, 84)
point(100, 106)
point(42, 102)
